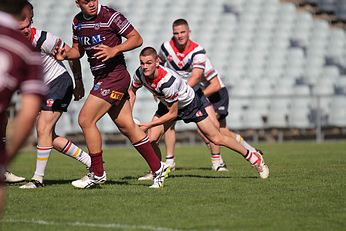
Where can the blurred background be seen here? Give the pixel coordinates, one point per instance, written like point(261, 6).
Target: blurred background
point(283, 62)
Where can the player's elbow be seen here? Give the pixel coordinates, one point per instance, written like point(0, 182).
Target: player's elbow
point(139, 41)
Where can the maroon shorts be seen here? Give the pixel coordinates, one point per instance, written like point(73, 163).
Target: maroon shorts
point(113, 88)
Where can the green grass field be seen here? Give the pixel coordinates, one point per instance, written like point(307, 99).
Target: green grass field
point(305, 191)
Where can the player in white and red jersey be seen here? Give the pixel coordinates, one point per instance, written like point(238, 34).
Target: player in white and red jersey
point(179, 102)
point(188, 58)
point(59, 96)
point(98, 31)
point(20, 70)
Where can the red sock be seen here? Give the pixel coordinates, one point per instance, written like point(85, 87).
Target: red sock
point(97, 163)
point(146, 150)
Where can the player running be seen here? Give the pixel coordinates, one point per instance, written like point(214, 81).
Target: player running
point(98, 32)
point(178, 101)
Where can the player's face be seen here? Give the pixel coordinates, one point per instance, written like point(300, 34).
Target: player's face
point(88, 7)
point(181, 34)
point(28, 12)
point(149, 64)
point(25, 28)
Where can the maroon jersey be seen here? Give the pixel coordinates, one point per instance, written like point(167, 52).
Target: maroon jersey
point(20, 67)
point(108, 28)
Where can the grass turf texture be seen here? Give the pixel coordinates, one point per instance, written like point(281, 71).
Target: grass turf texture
point(305, 191)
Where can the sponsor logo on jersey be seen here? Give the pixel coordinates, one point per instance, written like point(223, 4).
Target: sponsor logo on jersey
point(97, 86)
point(50, 102)
point(116, 95)
point(105, 92)
point(90, 40)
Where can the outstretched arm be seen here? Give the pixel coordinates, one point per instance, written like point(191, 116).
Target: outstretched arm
point(75, 52)
point(78, 91)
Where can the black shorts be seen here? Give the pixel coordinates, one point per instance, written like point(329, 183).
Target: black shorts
point(194, 112)
point(220, 101)
point(59, 94)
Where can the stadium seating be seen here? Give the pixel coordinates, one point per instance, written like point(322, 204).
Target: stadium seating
point(266, 50)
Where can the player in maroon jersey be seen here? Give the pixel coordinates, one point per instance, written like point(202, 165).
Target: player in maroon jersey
point(20, 70)
point(98, 31)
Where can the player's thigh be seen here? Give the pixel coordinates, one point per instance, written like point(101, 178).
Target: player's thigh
point(93, 109)
point(47, 119)
point(212, 115)
point(209, 130)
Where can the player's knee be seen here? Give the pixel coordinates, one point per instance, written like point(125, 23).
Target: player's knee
point(84, 121)
point(217, 140)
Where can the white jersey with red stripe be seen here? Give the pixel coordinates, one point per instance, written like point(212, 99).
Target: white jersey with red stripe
point(168, 87)
point(194, 56)
point(209, 73)
point(46, 43)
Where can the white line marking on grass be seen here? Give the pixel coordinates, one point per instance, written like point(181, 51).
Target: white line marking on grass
point(83, 224)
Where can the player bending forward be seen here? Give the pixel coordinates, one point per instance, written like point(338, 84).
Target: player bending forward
point(178, 101)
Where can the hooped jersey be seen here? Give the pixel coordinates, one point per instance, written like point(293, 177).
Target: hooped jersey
point(168, 87)
point(46, 43)
point(194, 56)
point(209, 73)
point(107, 27)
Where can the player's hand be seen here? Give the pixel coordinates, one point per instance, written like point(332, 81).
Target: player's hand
point(144, 127)
point(105, 52)
point(59, 54)
point(78, 91)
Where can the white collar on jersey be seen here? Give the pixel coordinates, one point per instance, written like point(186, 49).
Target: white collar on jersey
point(8, 20)
point(98, 11)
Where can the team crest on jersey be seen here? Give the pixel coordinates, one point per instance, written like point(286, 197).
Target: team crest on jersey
point(116, 95)
point(97, 26)
point(181, 64)
point(199, 114)
point(50, 102)
point(169, 58)
point(97, 86)
point(105, 92)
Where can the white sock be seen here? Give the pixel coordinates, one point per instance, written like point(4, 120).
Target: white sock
point(41, 162)
point(244, 143)
point(252, 157)
point(77, 153)
point(169, 159)
point(216, 159)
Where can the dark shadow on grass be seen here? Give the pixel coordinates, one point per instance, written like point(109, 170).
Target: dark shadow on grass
point(192, 168)
point(68, 182)
point(199, 176)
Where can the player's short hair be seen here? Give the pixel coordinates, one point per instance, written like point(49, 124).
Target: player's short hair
point(179, 22)
point(13, 7)
point(149, 51)
point(28, 4)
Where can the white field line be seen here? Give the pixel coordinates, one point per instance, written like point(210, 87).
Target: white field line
point(83, 224)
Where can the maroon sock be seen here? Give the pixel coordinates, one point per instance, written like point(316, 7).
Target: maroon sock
point(97, 163)
point(146, 150)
